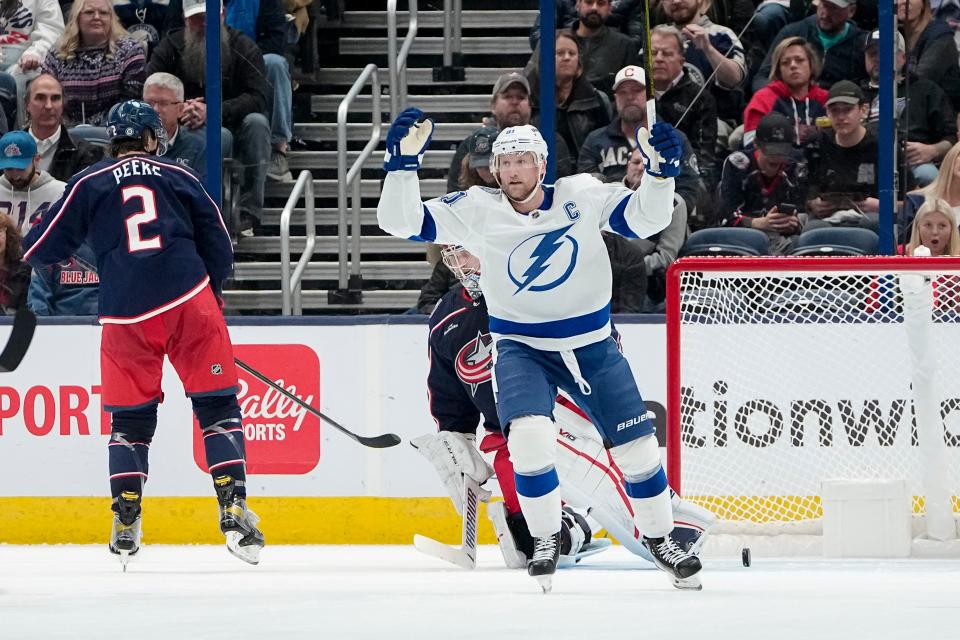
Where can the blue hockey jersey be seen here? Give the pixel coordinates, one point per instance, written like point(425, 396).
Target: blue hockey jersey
point(157, 235)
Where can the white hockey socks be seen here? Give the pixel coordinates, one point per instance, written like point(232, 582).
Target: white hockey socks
point(532, 442)
point(645, 483)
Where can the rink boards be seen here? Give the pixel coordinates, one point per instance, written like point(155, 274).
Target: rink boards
point(309, 483)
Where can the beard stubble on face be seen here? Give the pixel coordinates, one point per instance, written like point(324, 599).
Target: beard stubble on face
point(592, 20)
point(195, 54)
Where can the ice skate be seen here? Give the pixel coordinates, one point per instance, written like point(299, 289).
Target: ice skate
point(680, 565)
point(237, 522)
point(546, 554)
point(126, 533)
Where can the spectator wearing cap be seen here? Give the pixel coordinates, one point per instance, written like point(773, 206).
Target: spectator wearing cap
point(843, 171)
point(837, 40)
point(764, 187)
point(925, 117)
point(677, 98)
point(603, 50)
point(246, 132)
point(510, 106)
point(580, 107)
point(606, 151)
point(792, 91)
point(26, 191)
point(931, 48)
point(164, 92)
point(97, 63)
point(61, 155)
point(475, 166)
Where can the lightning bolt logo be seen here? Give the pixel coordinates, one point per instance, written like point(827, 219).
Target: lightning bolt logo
point(547, 246)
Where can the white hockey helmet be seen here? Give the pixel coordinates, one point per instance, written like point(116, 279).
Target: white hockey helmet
point(520, 139)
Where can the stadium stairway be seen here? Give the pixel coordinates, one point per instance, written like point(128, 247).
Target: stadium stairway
point(494, 37)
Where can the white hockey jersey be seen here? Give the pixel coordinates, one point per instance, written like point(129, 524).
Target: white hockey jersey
point(545, 274)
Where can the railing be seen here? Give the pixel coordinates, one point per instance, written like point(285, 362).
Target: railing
point(349, 292)
point(290, 290)
point(398, 61)
point(452, 56)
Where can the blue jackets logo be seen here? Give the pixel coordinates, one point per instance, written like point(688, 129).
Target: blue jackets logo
point(544, 261)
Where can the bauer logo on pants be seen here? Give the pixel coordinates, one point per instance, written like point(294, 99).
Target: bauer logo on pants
point(281, 437)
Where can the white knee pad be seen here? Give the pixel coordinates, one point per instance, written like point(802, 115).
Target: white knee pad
point(533, 443)
point(638, 458)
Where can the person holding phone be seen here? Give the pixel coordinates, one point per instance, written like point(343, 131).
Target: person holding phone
point(764, 187)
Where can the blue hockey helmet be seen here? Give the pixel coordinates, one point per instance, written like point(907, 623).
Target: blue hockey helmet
point(128, 119)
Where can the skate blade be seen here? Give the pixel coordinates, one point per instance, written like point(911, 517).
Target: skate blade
point(546, 583)
point(688, 584)
point(249, 553)
point(124, 559)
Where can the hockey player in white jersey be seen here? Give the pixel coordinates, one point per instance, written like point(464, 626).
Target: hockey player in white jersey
point(547, 280)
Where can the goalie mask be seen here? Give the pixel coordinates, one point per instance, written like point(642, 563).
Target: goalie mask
point(465, 267)
point(518, 141)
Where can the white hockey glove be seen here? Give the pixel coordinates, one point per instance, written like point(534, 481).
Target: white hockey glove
point(407, 140)
point(455, 455)
point(662, 149)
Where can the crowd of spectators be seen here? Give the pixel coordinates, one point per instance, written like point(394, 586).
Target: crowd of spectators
point(777, 103)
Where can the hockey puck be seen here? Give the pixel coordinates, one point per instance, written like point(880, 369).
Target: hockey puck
point(745, 556)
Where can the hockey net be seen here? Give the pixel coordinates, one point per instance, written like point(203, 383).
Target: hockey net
point(786, 372)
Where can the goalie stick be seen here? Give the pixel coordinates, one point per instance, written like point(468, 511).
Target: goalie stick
point(466, 554)
point(376, 442)
point(24, 324)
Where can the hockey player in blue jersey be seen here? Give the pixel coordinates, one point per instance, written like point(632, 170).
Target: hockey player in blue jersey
point(546, 279)
point(162, 253)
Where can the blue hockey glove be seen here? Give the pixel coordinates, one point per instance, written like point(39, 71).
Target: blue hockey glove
point(407, 140)
point(661, 150)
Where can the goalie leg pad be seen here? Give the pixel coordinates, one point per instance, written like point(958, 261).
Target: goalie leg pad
point(646, 485)
point(130, 437)
point(515, 542)
point(220, 421)
point(532, 441)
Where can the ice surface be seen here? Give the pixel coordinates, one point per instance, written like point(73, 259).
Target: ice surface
point(386, 593)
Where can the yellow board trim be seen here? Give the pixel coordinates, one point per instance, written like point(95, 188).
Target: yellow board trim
point(351, 520)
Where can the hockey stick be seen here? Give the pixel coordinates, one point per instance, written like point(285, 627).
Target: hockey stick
point(466, 554)
point(24, 324)
point(651, 93)
point(376, 442)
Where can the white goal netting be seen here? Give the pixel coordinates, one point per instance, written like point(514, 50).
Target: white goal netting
point(788, 372)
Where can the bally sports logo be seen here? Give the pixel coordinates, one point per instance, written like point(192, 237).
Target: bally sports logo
point(281, 437)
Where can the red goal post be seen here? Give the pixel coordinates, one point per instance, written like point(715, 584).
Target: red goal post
point(783, 372)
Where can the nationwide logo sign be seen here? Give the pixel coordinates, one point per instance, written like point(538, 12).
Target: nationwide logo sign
point(281, 437)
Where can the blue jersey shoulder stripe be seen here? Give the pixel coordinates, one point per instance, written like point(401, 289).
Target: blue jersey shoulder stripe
point(618, 222)
point(428, 231)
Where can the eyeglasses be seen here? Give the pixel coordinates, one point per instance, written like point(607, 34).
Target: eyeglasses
point(163, 104)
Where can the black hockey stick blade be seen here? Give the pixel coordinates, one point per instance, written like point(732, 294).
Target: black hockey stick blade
point(374, 442)
point(24, 324)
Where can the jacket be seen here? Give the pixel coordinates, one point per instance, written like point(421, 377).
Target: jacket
point(586, 109)
point(27, 206)
point(626, 16)
point(924, 113)
point(189, 149)
point(603, 55)
point(245, 88)
point(844, 60)
point(934, 57)
point(33, 28)
point(700, 125)
point(606, 152)
point(69, 288)
point(776, 96)
point(72, 156)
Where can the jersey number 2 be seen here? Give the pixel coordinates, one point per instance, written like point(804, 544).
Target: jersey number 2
point(136, 242)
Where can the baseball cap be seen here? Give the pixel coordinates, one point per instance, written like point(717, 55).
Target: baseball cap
point(507, 79)
point(193, 7)
point(775, 135)
point(630, 72)
point(480, 147)
point(843, 4)
point(845, 92)
point(17, 150)
point(874, 40)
